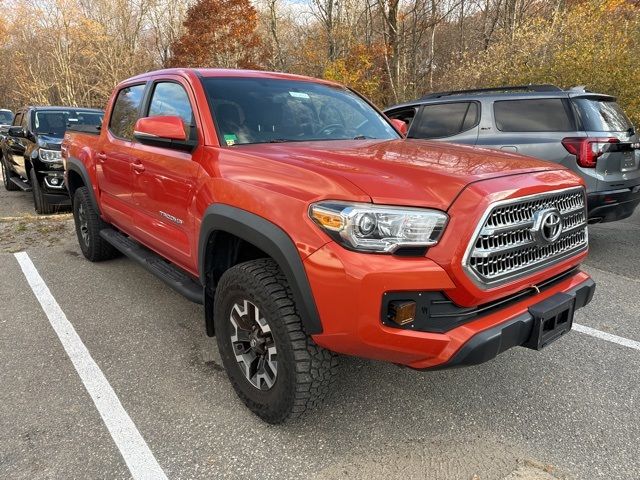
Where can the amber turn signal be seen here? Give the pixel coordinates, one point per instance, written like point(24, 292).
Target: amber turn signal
point(402, 311)
point(327, 219)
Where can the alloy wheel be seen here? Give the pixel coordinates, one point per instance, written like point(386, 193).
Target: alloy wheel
point(83, 223)
point(253, 345)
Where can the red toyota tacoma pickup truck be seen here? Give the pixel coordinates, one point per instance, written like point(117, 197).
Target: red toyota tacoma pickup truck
point(308, 227)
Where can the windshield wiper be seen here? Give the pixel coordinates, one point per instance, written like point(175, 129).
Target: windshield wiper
point(363, 137)
point(279, 140)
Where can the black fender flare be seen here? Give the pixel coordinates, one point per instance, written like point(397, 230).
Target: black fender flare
point(76, 166)
point(272, 240)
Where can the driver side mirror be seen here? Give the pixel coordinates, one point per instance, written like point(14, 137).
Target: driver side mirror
point(163, 131)
point(17, 132)
point(400, 126)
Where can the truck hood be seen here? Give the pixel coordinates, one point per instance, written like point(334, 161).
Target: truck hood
point(401, 172)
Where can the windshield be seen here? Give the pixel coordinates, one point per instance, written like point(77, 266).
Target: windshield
point(258, 110)
point(601, 115)
point(56, 122)
point(6, 118)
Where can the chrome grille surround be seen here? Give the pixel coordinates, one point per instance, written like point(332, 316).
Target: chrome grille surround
point(504, 246)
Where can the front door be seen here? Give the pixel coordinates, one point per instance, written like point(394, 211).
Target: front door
point(455, 122)
point(165, 181)
point(115, 154)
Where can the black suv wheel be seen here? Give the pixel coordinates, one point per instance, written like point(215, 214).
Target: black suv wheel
point(88, 225)
point(6, 175)
point(39, 202)
point(274, 367)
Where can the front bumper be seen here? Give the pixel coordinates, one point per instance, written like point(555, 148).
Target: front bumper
point(514, 332)
point(349, 288)
point(612, 205)
point(53, 186)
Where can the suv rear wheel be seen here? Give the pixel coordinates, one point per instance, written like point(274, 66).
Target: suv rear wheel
point(8, 184)
point(275, 368)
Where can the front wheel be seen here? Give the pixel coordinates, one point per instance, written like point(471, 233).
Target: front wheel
point(39, 201)
point(275, 368)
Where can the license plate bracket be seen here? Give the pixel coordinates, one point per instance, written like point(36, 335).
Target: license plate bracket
point(552, 318)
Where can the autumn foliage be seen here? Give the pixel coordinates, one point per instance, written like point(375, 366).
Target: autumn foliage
point(75, 51)
point(219, 33)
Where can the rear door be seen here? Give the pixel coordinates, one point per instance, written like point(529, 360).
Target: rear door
point(455, 122)
point(530, 126)
point(164, 179)
point(115, 154)
point(601, 117)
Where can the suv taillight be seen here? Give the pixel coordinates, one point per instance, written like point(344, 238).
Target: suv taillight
point(587, 150)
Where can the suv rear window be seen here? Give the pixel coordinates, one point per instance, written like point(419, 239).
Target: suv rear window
point(601, 115)
point(535, 115)
point(444, 120)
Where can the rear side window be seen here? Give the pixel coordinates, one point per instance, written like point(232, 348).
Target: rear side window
point(535, 115)
point(601, 115)
point(445, 120)
point(125, 111)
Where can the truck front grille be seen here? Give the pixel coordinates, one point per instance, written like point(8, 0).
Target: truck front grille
point(522, 235)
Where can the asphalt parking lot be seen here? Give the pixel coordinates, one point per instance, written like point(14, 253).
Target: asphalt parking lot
point(570, 411)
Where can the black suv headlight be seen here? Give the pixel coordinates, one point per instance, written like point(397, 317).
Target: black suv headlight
point(378, 228)
point(50, 156)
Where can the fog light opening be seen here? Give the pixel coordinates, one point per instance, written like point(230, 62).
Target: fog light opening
point(402, 312)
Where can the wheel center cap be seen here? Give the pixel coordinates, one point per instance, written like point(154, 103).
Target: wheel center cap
point(254, 343)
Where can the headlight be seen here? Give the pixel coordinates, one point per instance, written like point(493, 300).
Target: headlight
point(50, 155)
point(378, 228)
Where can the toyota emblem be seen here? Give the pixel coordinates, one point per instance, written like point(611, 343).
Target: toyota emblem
point(547, 225)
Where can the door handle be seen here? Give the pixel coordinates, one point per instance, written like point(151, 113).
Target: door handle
point(138, 167)
point(101, 157)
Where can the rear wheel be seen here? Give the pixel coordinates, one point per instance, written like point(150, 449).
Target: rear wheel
point(275, 368)
point(6, 175)
point(39, 202)
point(88, 225)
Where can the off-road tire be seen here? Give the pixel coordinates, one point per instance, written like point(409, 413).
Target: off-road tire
point(305, 371)
point(6, 176)
point(95, 248)
point(39, 202)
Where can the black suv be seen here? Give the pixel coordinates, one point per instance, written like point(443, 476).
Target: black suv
point(584, 131)
point(31, 157)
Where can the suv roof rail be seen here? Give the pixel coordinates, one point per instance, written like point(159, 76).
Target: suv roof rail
point(546, 87)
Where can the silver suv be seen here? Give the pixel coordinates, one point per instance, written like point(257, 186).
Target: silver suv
point(584, 131)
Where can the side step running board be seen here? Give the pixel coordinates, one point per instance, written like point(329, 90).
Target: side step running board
point(173, 276)
point(24, 186)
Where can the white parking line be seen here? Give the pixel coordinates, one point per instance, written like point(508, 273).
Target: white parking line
point(609, 337)
point(135, 451)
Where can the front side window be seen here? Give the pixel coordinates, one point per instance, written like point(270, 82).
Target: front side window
point(170, 98)
point(17, 119)
point(125, 111)
point(56, 122)
point(263, 110)
point(445, 120)
point(405, 115)
point(535, 115)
